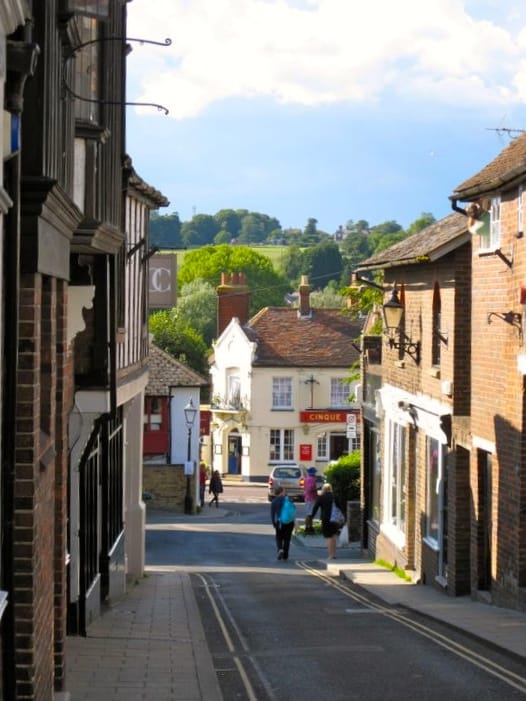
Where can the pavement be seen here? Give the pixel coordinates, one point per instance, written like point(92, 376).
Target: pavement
point(150, 645)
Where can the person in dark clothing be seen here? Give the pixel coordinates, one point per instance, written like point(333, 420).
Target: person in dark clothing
point(283, 530)
point(202, 483)
point(328, 528)
point(215, 487)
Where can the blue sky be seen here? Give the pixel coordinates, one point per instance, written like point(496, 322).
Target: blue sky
point(331, 109)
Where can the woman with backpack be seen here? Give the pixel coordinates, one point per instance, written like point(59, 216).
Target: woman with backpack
point(282, 512)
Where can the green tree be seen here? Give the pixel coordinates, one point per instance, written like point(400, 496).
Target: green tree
point(197, 305)
point(165, 231)
point(229, 220)
point(223, 237)
point(344, 476)
point(423, 221)
point(329, 297)
point(323, 263)
point(267, 287)
point(177, 337)
point(252, 230)
point(291, 264)
point(200, 231)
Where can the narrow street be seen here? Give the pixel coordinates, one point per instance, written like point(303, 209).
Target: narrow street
point(284, 630)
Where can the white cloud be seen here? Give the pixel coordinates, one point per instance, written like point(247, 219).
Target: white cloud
point(318, 52)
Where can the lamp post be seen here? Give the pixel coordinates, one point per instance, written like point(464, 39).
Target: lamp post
point(189, 416)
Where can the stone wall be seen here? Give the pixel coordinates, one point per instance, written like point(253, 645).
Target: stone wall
point(164, 487)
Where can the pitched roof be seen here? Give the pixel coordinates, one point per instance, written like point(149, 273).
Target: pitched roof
point(429, 244)
point(284, 339)
point(503, 171)
point(166, 372)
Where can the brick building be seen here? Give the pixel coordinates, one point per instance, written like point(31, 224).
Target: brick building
point(74, 338)
point(495, 198)
point(416, 390)
point(444, 470)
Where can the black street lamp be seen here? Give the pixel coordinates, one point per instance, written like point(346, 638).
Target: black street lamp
point(189, 416)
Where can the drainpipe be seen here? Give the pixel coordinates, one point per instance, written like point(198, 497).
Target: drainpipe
point(458, 209)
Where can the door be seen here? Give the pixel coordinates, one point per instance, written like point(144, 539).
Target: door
point(484, 460)
point(234, 453)
point(339, 445)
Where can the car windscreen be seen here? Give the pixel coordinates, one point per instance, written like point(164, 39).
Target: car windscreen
point(287, 473)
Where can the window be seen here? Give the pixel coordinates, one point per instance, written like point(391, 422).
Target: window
point(281, 444)
point(153, 417)
point(86, 72)
point(339, 392)
point(395, 489)
point(433, 491)
point(375, 476)
point(234, 391)
point(495, 222)
point(322, 447)
point(282, 393)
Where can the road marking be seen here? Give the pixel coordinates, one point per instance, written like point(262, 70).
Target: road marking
point(514, 680)
point(251, 695)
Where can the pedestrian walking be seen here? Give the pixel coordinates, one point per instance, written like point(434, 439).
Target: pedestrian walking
point(330, 523)
point(202, 483)
point(310, 491)
point(282, 512)
point(215, 487)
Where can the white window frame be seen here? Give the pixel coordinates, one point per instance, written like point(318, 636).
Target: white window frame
point(281, 445)
point(434, 496)
point(234, 389)
point(322, 447)
point(282, 393)
point(339, 392)
point(394, 512)
point(491, 240)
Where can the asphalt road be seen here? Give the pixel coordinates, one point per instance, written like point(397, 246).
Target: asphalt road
point(286, 630)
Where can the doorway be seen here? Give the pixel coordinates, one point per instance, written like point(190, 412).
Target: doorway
point(484, 461)
point(339, 445)
point(234, 453)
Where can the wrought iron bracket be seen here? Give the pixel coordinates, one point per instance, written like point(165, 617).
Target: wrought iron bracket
point(79, 47)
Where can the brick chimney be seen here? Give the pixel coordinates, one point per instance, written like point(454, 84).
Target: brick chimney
point(233, 297)
point(305, 311)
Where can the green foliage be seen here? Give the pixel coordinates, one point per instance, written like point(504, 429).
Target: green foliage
point(344, 476)
point(395, 569)
point(267, 287)
point(363, 298)
point(197, 305)
point(328, 298)
point(165, 231)
point(200, 231)
point(177, 337)
point(322, 263)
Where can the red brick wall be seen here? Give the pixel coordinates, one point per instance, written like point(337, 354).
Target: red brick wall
point(44, 398)
point(498, 399)
point(233, 298)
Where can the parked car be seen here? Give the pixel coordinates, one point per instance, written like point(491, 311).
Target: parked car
point(292, 478)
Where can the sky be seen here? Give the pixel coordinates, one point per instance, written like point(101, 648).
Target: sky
point(337, 110)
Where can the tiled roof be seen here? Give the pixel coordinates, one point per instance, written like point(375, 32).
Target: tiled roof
point(165, 372)
point(507, 167)
point(430, 244)
point(284, 339)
